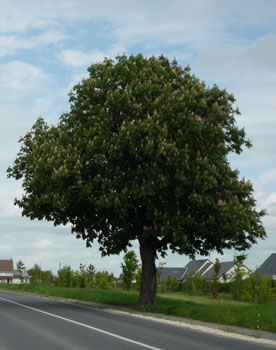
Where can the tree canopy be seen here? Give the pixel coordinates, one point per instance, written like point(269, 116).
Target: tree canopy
point(142, 154)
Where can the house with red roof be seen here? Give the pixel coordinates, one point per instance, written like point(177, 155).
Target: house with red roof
point(6, 271)
point(9, 275)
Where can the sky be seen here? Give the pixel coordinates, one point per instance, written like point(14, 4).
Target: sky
point(46, 48)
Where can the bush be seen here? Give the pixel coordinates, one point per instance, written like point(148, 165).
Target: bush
point(195, 284)
point(171, 284)
point(104, 280)
point(225, 287)
point(66, 277)
point(259, 289)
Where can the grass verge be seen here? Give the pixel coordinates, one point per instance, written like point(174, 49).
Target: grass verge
point(197, 308)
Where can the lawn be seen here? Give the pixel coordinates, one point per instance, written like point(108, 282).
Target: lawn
point(222, 311)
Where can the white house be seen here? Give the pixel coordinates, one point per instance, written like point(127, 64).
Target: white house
point(9, 275)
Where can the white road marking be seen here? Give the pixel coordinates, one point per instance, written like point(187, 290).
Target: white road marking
point(84, 325)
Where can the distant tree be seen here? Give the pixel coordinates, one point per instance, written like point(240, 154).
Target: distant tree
point(129, 267)
point(66, 277)
point(138, 278)
point(159, 274)
point(238, 276)
point(20, 266)
point(142, 155)
point(216, 268)
point(194, 283)
point(35, 274)
point(104, 280)
point(90, 271)
point(81, 276)
point(47, 277)
point(171, 283)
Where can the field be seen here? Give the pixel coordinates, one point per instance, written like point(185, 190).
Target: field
point(222, 311)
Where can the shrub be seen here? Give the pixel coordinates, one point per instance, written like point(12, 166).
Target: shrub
point(104, 280)
point(171, 284)
point(194, 284)
point(259, 289)
point(66, 277)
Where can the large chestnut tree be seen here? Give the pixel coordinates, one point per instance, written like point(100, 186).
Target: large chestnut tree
point(142, 155)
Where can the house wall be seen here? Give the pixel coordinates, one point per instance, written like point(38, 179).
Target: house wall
point(7, 276)
point(16, 281)
point(231, 274)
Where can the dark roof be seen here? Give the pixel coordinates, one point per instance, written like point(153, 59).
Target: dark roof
point(174, 272)
point(194, 265)
point(268, 267)
point(224, 268)
point(206, 267)
point(6, 265)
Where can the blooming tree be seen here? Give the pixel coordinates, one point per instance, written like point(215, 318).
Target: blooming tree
point(142, 155)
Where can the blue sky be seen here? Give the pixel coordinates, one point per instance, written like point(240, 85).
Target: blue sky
point(46, 47)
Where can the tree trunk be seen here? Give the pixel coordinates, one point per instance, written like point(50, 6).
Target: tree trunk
point(148, 283)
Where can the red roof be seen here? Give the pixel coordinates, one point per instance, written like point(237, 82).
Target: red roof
point(6, 265)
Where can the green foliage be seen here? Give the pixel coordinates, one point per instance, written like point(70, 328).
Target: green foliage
point(129, 267)
point(81, 276)
point(161, 288)
point(47, 277)
point(225, 287)
point(194, 284)
point(142, 154)
point(238, 276)
point(138, 278)
point(216, 268)
point(35, 274)
point(171, 284)
point(20, 266)
point(66, 277)
point(90, 275)
point(104, 280)
point(258, 289)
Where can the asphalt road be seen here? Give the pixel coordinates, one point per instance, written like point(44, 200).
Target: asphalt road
point(28, 322)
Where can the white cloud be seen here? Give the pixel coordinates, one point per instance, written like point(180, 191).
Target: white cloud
point(10, 43)
point(4, 156)
point(43, 243)
point(249, 65)
point(77, 58)
point(5, 247)
point(154, 24)
point(268, 177)
point(50, 36)
point(19, 78)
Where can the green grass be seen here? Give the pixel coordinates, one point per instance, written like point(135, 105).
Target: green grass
point(222, 311)
point(109, 297)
